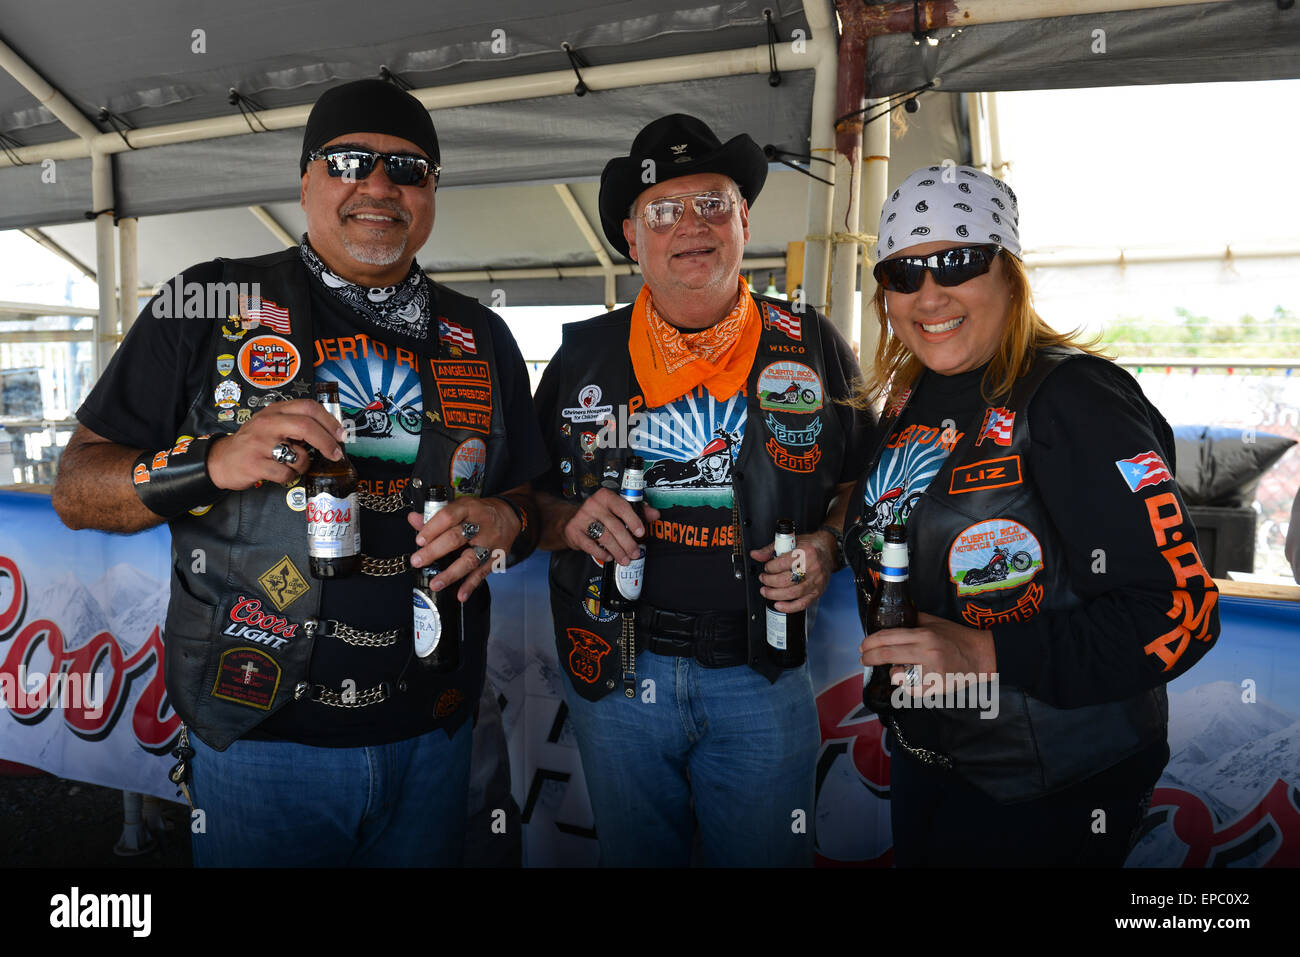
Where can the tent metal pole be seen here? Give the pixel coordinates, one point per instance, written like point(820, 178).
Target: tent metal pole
point(51, 99)
point(129, 285)
point(266, 219)
point(997, 165)
point(975, 128)
point(875, 187)
point(38, 236)
point(817, 243)
point(593, 242)
point(574, 272)
point(888, 18)
point(101, 178)
point(694, 66)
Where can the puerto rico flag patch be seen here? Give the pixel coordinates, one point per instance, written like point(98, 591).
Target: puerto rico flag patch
point(1142, 470)
point(780, 319)
point(457, 335)
point(997, 426)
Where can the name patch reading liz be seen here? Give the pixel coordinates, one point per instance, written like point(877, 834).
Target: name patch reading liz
point(990, 473)
point(247, 676)
point(465, 390)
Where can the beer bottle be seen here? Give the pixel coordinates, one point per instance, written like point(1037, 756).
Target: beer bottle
point(333, 516)
point(890, 607)
point(620, 585)
point(437, 615)
point(787, 641)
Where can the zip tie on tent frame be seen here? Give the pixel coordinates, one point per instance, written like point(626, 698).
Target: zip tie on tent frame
point(395, 78)
point(780, 155)
point(576, 61)
point(248, 109)
point(119, 124)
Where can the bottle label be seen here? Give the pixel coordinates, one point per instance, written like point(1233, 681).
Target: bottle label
point(427, 623)
point(893, 562)
point(333, 526)
point(630, 577)
point(776, 629)
point(784, 543)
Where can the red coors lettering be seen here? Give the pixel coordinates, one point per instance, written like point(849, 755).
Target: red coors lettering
point(333, 518)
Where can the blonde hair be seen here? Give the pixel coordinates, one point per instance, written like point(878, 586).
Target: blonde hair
point(894, 369)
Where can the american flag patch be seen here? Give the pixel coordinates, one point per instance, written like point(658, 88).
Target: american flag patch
point(997, 426)
point(787, 323)
point(458, 335)
point(1142, 470)
point(269, 314)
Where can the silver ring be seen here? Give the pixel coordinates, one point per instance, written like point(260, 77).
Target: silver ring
point(283, 454)
point(595, 530)
point(481, 553)
point(796, 578)
point(912, 676)
point(469, 529)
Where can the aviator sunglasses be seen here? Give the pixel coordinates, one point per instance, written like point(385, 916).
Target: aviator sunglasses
point(949, 267)
point(663, 214)
point(403, 169)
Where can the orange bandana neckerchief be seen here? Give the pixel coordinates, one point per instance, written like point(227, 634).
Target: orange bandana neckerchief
point(669, 362)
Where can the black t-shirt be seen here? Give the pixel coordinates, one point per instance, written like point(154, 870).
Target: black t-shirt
point(1085, 419)
point(694, 536)
point(142, 398)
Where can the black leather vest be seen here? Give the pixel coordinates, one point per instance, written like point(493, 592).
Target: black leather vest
point(984, 550)
point(244, 562)
point(811, 448)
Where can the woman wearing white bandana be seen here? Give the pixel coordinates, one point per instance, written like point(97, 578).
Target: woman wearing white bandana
point(1052, 562)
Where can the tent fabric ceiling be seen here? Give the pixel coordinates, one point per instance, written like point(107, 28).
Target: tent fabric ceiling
point(1243, 40)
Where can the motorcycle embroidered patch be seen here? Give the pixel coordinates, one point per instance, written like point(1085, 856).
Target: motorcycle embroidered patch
point(993, 555)
point(789, 387)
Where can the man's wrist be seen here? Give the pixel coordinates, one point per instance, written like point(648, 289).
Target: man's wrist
point(525, 540)
point(837, 546)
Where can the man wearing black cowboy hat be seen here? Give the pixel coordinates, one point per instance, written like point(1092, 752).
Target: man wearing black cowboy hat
point(700, 370)
point(312, 734)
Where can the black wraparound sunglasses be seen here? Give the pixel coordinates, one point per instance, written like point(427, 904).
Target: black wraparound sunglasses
point(402, 168)
point(949, 267)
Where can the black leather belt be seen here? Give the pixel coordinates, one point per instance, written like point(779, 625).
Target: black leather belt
point(714, 639)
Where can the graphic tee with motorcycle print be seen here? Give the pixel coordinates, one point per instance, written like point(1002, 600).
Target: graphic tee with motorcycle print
point(690, 447)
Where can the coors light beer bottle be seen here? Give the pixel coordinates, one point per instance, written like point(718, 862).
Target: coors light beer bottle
point(620, 585)
point(787, 641)
point(890, 607)
point(437, 615)
point(333, 516)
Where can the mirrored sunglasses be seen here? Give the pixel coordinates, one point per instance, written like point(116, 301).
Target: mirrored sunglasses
point(663, 214)
point(950, 267)
point(403, 169)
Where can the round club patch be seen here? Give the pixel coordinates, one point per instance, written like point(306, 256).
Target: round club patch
point(993, 555)
point(789, 387)
point(268, 362)
point(468, 466)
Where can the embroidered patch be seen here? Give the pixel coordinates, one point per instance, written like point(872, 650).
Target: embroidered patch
point(159, 460)
point(296, 498)
point(465, 390)
point(992, 556)
point(795, 437)
point(591, 604)
point(986, 474)
point(588, 408)
point(141, 474)
point(997, 426)
point(774, 318)
point(247, 676)
point(268, 362)
point(584, 658)
point(791, 462)
point(897, 405)
point(468, 465)
point(226, 394)
point(282, 582)
point(448, 702)
point(979, 616)
point(232, 330)
point(789, 387)
point(457, 335)
point(1142, 470)
point(589, 480)
point(182, 444)
point(226, 364)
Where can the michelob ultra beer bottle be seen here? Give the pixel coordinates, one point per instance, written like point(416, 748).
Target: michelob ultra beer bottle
point(787, 639)
point(620, 585)
point(333, 515)
point(436, 615)
point(890, 607)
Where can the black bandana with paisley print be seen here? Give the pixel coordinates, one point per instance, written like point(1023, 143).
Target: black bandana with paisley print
point(400, 314)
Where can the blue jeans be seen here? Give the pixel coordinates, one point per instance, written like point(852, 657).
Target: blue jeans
point(743, 750)
point(279, 804)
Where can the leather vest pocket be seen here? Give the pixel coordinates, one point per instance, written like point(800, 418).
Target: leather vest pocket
point(586, 635)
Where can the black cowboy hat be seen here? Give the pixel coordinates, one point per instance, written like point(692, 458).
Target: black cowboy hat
point(679, 145)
